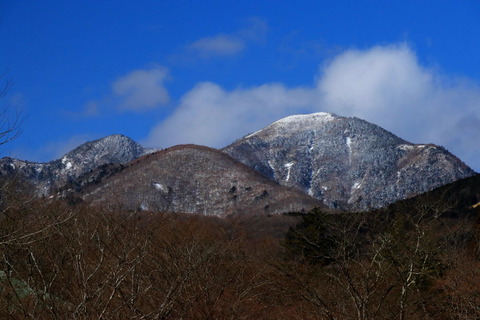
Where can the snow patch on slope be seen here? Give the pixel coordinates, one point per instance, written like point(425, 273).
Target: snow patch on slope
point(271, 165)
point(310, 192)
point(289, 167)
point(160, 187)
point(349, 144)
point(349, 147)
point(357, 185)
point(68, 165)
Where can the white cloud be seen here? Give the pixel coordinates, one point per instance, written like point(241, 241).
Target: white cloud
point(138, 91)
point(366, 81)
point(385, 85)
point(230, 44)
point(219, 45)
point(255, 30)
point(212, 116)
point(141, 90)
point(90, 109)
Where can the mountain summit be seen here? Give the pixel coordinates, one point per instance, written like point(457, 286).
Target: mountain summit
point(46, 177)
point(348, 163)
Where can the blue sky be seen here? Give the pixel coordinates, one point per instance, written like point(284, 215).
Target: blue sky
point(208, 72)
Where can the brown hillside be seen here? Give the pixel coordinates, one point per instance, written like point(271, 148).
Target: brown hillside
point(195, 179)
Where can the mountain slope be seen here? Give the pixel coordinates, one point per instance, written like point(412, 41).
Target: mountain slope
point(457, 199)
point(347, 163)
point(46, 177)
point(195, 179)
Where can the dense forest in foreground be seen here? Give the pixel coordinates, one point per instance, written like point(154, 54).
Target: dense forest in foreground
point(417, 259)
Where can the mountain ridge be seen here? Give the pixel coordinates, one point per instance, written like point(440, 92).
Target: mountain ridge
point(344, 163)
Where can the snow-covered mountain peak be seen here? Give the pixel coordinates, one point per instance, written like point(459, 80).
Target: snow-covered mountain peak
point(295, 122)
point(303, 120)
point(347, 163)
point(319, 117)
point(117, 149)
point(102, 145)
